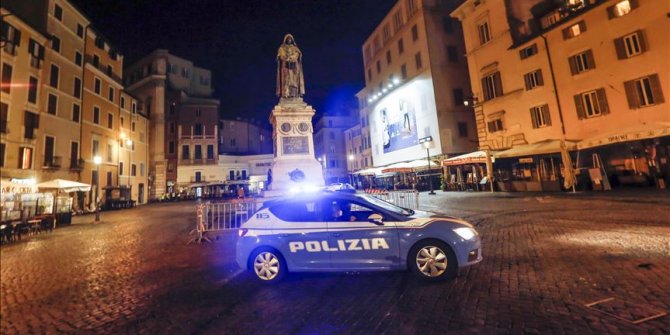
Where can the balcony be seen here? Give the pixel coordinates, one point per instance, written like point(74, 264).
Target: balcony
point(561, 13)
point(52, 162)
point(198, 180)
point(90, 60)
point(76, 164)
point(197, 137)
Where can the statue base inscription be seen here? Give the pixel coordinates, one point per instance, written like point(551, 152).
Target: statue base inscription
point(294, 166)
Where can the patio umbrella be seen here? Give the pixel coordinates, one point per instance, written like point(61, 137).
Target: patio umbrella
point(569, 179)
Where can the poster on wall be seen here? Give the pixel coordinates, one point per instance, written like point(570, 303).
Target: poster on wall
point(399, 129)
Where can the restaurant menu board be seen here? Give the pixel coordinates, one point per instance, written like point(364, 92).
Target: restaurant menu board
point(295, 145)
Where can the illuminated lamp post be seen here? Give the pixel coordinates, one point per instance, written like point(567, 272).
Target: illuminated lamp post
point(97, 160)
point(427, 141)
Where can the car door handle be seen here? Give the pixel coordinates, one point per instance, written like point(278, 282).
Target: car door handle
point(337, 234)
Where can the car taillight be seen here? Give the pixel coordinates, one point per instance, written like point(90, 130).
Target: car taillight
point(242, 231)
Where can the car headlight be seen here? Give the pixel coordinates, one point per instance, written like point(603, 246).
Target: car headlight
point(466, 233)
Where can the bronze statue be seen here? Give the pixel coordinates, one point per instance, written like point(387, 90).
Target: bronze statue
point(290, 82)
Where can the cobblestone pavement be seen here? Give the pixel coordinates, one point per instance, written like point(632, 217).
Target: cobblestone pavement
point(544, 258)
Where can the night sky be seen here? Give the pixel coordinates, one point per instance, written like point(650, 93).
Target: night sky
point(238, 41)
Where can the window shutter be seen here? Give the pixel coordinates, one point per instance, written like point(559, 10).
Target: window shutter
point(579, 106)
point(590, 59)
point(620, 48)
point(41, 57)
point(573, 65)
point(602, 101)
point(633, 4)
point(526, 80)
point(17, 37)
point(540, 80)
point(533, 118)
point(642, 39)
point(582, 26)
point(547, 116)
point(498, 84)
point(610, 12)
point(489, 125)
point(656, 89)
point(566, 33)
point(631, 95)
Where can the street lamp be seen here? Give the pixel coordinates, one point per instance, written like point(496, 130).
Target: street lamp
point(97, 160)
point(427, 141)
point(129, 144)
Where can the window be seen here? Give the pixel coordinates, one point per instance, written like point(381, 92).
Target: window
point(411, 7)
point(52, 104)
point(12, 36)
point(53, 77)
point(452, 54)
point(197, 153)
point(2, 155)
point(644, 91)
point(492, 86)
point(397, 19)
point(132, 126)
point(95, 148)
point(6, 77)
point(26, 158)
point(110, 120)
point(55, 43)
point(379, 67)
point(96, 60)
point(484, 34)
point(74, 155)
point(630, 45)
point(621, 8)
point(77, 88)
point(4, 113)
point(77, 58)
point(417, 60)
point(110, 152)
point(233, 142)
point(386, 32)
point(142, 169)
point(582, 62)
point(401, 46)
point(110, 70)
point(388, 57)
point(184, 72)
point(415, 33)
point(109, 178)
point(533, 79)
point(111, 94)
point(185, 154)
point(171, 147)
point(298, 212)
point(210, 151)
point(172, 127)
point(198, 112)
point(540, 117)
point(58, 12)
point(121, 168)
point(97, 86)
point(96, 115)
point(31, 121)
point(403, 71)
point(529, 51)
point(32, 90)
point(574, 30)
point(369, 75)
point(458, 96)
point(462, 129)
point(197, 129)
point(76, 109)
point(80, 30)
point(495, 125)
point(134, 107)
point(36, 52)
point(448, 25)
point(591, 104)
point(133, 170)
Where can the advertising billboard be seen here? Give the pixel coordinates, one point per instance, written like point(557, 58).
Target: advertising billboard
point(399, 119)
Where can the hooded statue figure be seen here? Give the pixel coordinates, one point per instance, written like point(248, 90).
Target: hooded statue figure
point(290, 82)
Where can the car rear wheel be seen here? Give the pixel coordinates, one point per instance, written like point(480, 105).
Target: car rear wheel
point(268, 265)
point(433, 260)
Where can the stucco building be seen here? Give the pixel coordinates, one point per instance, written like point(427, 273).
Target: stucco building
point(330, 147)
point(244, 137)
point(589, 75)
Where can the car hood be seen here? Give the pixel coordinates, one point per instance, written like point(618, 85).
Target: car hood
point(422, 218)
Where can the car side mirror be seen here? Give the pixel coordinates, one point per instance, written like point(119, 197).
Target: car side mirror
point(376, 219)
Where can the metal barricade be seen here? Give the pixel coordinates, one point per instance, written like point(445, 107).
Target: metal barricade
point(221, 216)
point(406, 199)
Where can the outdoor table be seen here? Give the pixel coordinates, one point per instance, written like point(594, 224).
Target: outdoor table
point(35, 225)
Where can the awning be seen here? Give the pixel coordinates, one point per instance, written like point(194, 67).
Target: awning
point(64, 185)
point(368, 172)
point(397, 167)
point(469, 158)
point(539, 148)
point(413, 166)
point(638, 132)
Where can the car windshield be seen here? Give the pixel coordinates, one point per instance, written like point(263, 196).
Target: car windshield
point(387, 205)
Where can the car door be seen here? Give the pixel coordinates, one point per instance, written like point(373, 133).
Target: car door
point(361, 244)
point(300, 234)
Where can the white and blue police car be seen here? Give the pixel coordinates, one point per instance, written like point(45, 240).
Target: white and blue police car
point(338, 231)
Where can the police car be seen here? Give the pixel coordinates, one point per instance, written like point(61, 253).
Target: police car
point(335, 231)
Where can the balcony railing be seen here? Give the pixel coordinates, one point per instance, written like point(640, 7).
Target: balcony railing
point(197, 137)
point(561, 13)
point(103, 69)
point(197, 180)
point(52, 162)
point(76, 164)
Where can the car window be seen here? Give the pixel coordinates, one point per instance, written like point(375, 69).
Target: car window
point(386, 205)
point(297, 211)
point(344, 210)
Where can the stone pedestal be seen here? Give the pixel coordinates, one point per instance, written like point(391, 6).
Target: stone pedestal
point(294, 164)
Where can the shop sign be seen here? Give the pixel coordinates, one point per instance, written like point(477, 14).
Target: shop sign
point(526, 160)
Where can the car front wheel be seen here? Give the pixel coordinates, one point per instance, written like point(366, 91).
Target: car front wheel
point(433, 260)
point(268, 265)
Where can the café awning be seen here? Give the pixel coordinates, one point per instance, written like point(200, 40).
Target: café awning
point(633, 133)
point(368, 172)
point(538, 148)
point(477, 157)
point(64, 185)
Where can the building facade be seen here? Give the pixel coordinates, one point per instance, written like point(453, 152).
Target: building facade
point(182, 114)
point(330, 147)
point(416, 80)
point(244, 137)
point(590, 76)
